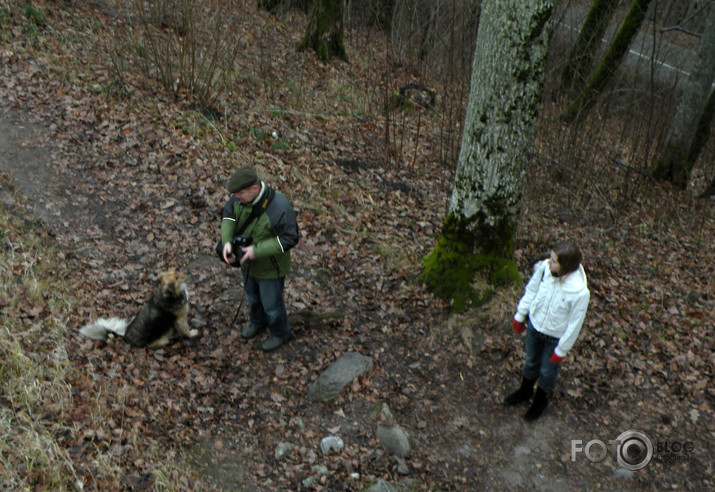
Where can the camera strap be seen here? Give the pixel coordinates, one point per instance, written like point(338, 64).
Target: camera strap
point(257, 210)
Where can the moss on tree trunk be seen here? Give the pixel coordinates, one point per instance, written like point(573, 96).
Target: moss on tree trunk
point(459, 261)
point(584, 49)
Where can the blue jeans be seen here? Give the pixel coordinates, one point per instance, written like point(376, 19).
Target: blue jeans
point(265, 301)
point(539, 349)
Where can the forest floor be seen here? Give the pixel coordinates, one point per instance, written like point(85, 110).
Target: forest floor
point(121, 187)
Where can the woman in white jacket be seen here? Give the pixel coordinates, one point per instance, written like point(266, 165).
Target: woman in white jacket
point(551, 311)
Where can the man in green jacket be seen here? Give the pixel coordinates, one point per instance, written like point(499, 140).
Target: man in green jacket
point(258, 229)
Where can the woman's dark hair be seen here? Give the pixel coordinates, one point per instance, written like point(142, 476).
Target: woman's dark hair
point(568, 255)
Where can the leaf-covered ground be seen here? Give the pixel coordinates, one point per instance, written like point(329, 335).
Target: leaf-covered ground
point(130, 184)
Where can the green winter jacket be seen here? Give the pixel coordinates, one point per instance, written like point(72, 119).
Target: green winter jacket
point(273, 233)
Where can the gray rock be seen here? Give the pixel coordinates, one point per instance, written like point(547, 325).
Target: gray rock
point(331, 443)
point(310, 481)
point(387, 414)
point(320, 469)
point(511, 478)
point(408, 485)
point(623, 474)
point(465, 450)
point(283, 450)
point(381, 485)
point(521, 451)
point(402, 467)
point(394, 439)
point(341, 373)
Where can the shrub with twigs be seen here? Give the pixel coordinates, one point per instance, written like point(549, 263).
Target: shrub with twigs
point(187, 45)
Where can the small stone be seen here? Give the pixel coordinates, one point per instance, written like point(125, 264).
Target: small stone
point(310, 481)
point(283, 450)
point(521, 451)
point(623, 474)
point(402, 467)
point(395, 439)
point(381, 485)
point(320, 469)
point(331, 443)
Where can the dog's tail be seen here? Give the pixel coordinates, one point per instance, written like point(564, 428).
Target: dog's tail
point(103, 326)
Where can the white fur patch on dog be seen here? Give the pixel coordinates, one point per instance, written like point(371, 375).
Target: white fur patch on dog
point(103, 326)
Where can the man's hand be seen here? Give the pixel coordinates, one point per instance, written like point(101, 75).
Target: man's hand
point(555, 359)
point(228, 254)
point(518, 326)
point(248, 254)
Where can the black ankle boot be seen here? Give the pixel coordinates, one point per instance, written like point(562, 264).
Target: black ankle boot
point(523, 393)
point(541, 401)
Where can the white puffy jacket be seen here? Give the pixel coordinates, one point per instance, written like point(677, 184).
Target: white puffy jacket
point(556, 306)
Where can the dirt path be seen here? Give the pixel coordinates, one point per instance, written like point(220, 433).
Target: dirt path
point(477, 440)
point(451, 405)
point(56, 196)
point(24, 156)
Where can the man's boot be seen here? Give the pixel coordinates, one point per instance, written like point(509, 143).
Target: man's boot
point(541, 401)
point(250, 331)
point(523, 393)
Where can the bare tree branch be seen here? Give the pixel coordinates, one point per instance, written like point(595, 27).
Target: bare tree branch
point(679, 27)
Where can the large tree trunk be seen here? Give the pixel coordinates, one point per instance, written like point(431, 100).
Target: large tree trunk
point(709, 190)
point(475, 250)
point(701, 138)
point(616, 51)
point(325, 32)
point(683, 140)
point(581, 54)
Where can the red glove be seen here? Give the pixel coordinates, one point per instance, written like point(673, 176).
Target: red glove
point(555, 359)
point(518, 326)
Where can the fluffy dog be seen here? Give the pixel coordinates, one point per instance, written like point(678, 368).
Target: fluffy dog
point(162, 318)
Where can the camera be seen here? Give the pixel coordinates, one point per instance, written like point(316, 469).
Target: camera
point(240, 242)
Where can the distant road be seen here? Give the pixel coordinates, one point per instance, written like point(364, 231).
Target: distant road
point(670, 63)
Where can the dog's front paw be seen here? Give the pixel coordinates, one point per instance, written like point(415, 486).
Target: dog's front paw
point(193, 333)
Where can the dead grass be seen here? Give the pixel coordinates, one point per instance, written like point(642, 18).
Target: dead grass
point(35, 373)
point(39, 383)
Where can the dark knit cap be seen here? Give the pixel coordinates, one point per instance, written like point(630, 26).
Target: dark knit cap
point(243, 178)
